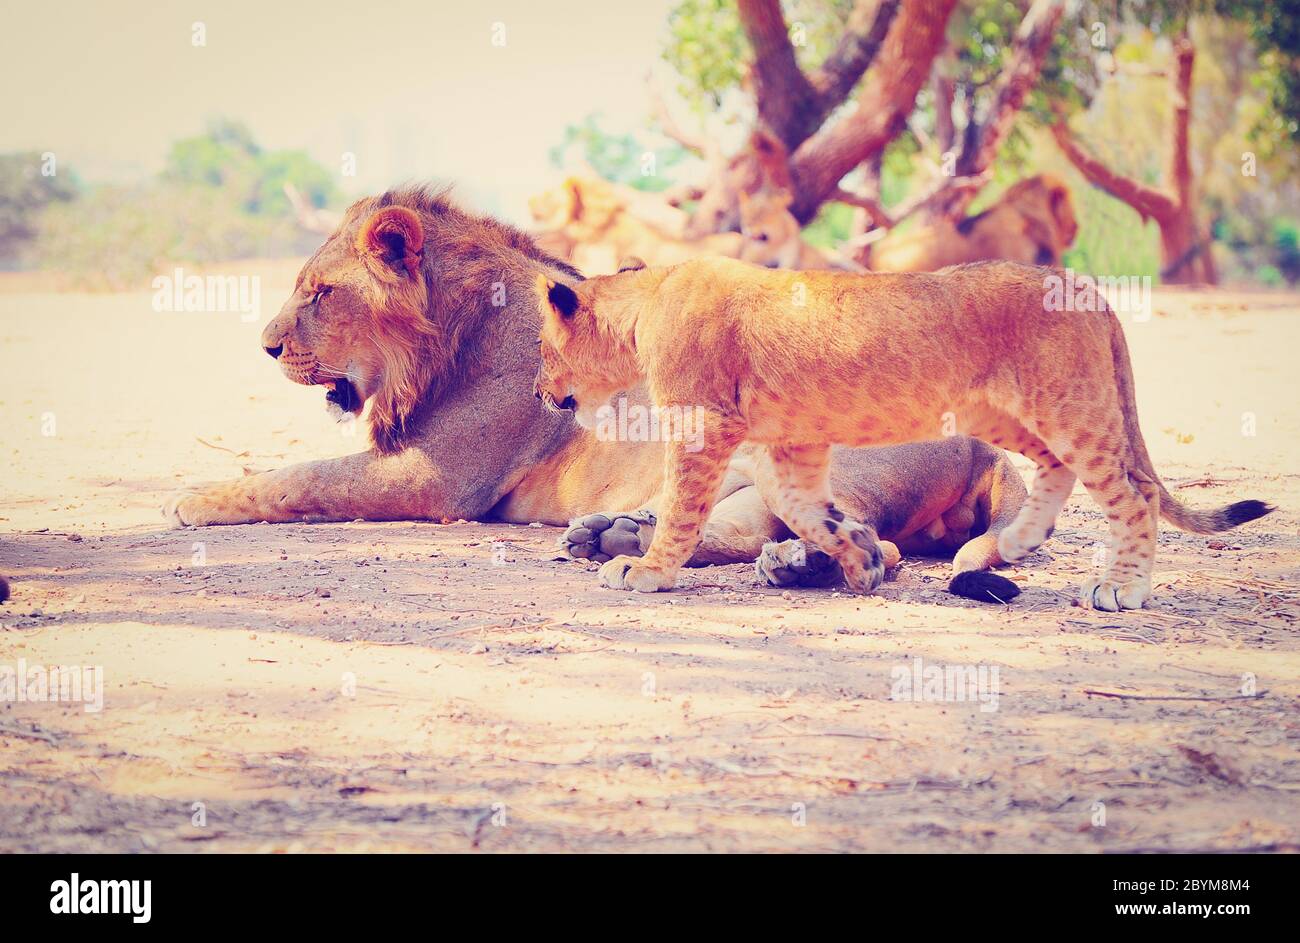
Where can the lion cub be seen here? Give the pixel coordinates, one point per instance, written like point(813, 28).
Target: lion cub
point(798, 361)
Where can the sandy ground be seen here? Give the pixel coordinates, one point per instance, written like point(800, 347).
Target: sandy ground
point(417, 687)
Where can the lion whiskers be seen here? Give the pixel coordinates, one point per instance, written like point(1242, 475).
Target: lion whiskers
point(332, 371)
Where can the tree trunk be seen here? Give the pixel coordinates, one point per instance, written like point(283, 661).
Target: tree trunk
point(914, 39)
point(790, 104)
point(1185, 249)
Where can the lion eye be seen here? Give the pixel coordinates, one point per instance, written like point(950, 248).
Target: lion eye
point(320, 293)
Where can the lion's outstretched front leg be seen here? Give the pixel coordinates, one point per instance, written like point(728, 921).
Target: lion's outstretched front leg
point(367, 485)
point(693, 476)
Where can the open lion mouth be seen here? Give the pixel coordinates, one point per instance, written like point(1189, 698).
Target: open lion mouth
point(343, 394)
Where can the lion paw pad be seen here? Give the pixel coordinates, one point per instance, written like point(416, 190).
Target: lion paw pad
point(601, 537)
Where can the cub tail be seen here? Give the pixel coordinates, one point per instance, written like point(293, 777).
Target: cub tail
point(1210, 522)
point(1171, 509)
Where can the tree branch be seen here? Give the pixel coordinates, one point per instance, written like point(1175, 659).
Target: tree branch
point(1150, 202)
point(910, 46)
point(864, 33)
point(668, 124)
point(1029, 48)
point(781, 91)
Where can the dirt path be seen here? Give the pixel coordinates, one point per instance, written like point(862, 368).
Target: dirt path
point(415, 687)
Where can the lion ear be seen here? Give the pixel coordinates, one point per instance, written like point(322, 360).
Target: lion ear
point(394, 236)
point(561, 298)
point(631, 263)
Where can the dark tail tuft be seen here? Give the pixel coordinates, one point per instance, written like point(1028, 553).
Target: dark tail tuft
point(983, 586)
point(4, 589)
point(1244, 511)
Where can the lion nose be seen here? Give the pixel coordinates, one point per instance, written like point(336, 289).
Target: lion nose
point(274, 351)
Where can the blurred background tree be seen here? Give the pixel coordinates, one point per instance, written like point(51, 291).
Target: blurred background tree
point(619, 158)
point(25, 191)
point(220, 196)
point(1111, 64)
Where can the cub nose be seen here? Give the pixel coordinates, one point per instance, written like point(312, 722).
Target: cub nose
point(274, 351)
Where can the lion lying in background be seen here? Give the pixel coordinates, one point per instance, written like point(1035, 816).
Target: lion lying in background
point(1032, 222)
point(774, 238)
point(593, 224)
point(397, 310)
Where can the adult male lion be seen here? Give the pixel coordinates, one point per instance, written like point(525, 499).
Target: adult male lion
point(429, 313)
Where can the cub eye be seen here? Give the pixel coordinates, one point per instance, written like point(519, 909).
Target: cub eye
point(761, 237)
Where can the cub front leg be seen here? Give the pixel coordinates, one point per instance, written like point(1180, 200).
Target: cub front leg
point(694, 469)
point(794, 481)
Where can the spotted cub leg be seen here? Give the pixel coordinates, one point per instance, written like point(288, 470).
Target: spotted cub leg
point(794, 481)
point(1036, 519)
point(1129, 498)
point(694, 469)
point(1131, 502)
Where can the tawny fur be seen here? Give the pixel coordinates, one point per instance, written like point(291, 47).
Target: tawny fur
point(592, 224)
point(446, 358)
point(796, 362)
point(774, 238)
point(1032, 222)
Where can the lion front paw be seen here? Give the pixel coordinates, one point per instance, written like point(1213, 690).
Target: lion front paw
point(1112, 596)
point(629, 573)
point(601, 537)
point(182, 508)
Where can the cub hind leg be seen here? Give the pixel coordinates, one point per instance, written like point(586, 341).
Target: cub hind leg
point(1098, 453)
point(794, 480)
point(1053, 481)
point(1131, 503)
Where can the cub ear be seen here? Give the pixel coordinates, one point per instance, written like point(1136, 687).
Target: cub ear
point(631, 263)
point(394, 236)
point(560, 297)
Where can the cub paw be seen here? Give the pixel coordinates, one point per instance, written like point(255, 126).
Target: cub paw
point(863, 561)
point(794, 563)
point(1016, 543)
point(1112, 596)
point(601, 537)
point(629, 573)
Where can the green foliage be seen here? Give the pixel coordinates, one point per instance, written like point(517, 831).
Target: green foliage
point(831, 227)
point(620, 158)
point(226, 157)
point(1286, 245)
point(219, 197)
point(707, 48)
point(1113, 239)
point(710, 51)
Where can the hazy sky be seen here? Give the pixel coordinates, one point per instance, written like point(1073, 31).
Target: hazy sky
point(416, 89)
